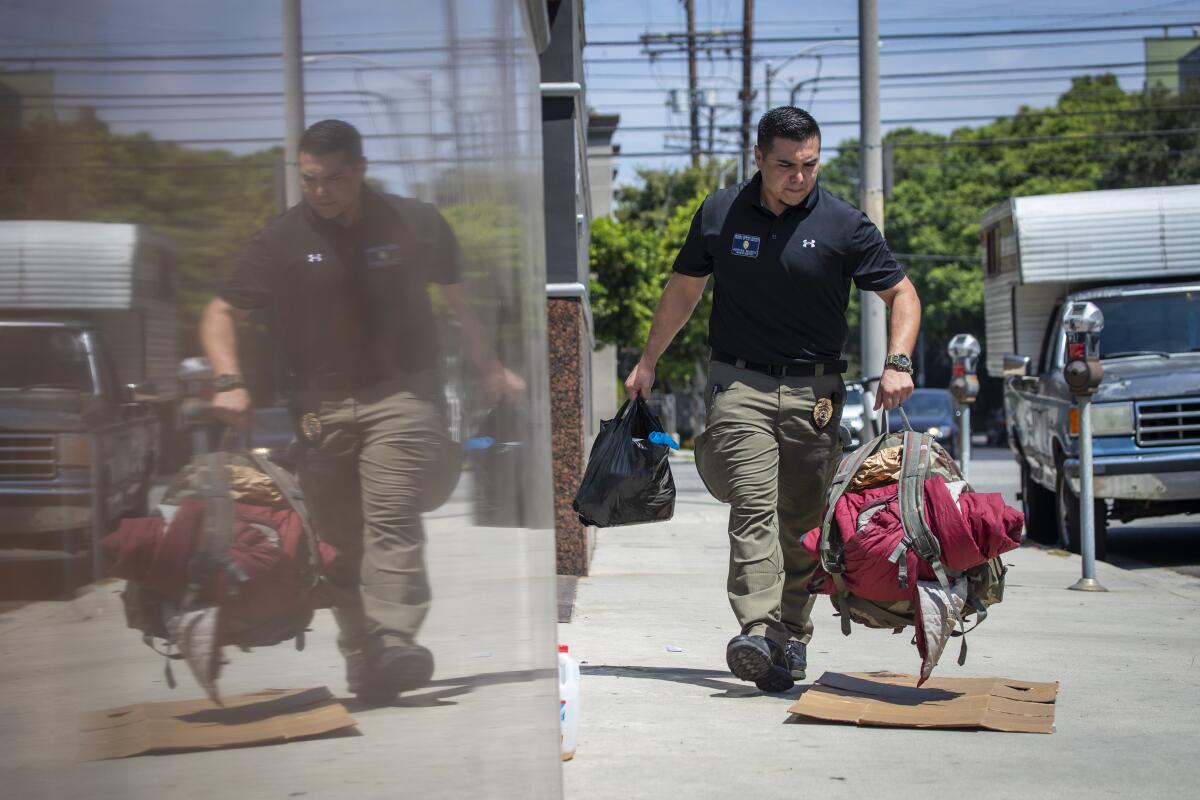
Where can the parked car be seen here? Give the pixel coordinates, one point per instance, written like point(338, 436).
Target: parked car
point(852, 414)
point(932, 411)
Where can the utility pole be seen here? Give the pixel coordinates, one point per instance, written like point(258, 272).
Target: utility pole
point(747, 93)
point(712, 123)
point(693, 107)
point(873, 316)
point(293, 99)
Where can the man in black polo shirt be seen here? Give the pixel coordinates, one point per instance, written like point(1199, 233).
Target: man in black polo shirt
point(347, 275)
point(783, 254)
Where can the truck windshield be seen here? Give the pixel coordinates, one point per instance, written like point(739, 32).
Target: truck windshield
point(1150, 323)
point(43, 358)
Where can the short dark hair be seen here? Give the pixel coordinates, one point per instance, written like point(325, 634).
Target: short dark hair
point(333, 136)
point(788, 122)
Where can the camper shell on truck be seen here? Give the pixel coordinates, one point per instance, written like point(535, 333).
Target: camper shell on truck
point(1136, 254)
point(88, 388)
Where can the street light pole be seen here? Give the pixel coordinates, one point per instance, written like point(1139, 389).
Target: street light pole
point(873, 313)
point(772, 72)
point(293, 100)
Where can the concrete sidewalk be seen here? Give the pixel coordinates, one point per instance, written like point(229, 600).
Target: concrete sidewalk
point(662, 717)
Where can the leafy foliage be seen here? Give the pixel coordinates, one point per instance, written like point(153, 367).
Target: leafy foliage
point(208, 202)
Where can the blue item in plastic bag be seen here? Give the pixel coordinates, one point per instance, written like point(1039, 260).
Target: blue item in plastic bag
point(658, 437)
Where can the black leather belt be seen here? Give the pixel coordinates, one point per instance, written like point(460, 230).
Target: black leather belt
point(784, 370)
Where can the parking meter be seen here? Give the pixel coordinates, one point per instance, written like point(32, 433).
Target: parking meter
point(964, 387)
point(1082, 324)
point(964, 354)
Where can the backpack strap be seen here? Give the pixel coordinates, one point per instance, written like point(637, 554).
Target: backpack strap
point(291, 491)
point(831, 538)
point(916, 459)
point(212, 554)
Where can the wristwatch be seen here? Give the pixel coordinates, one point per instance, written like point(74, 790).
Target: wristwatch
point(899, 362)
point(228, 382)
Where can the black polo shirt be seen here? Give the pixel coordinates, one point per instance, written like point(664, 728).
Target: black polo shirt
point(781, 284)
point(351, 303)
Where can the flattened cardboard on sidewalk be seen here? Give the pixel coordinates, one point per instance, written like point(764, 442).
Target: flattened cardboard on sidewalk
point(893, 700)
point(272, 716)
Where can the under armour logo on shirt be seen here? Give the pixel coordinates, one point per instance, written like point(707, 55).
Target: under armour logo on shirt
point(314, 257)
point(810, 242)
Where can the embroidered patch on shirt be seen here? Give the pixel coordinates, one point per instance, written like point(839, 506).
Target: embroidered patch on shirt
point(744, 245)
point(387, 255)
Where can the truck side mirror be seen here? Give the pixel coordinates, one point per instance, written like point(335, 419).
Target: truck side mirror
point(1016, 366)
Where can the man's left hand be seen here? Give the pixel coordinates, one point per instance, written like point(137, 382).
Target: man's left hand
point(894, 388)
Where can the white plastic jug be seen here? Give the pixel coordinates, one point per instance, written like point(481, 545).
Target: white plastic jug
point(568, 701)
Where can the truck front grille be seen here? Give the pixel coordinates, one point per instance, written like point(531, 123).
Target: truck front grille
point(27, 457)
point(1163, 423)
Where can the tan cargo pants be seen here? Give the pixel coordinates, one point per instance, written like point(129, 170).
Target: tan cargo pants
point(763, 454)
point(381, 458)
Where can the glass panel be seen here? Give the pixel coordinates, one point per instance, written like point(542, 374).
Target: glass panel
point(144, 149)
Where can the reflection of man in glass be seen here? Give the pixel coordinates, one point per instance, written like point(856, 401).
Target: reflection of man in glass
point(347, 274)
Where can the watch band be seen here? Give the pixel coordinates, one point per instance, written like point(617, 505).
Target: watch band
point(228, 382)
point(899, 362)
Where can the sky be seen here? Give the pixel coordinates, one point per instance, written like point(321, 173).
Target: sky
point(398, 87)
point(975, 89)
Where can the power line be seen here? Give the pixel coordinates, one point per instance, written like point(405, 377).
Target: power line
point(956, 118)
point(247, 56)
point(943, 143)
point(734, 37)
point(810, 23)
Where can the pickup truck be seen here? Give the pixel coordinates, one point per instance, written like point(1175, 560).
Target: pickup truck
point(89, 385)
point(78, 449)
point(1135, 253)
point(1145, 415)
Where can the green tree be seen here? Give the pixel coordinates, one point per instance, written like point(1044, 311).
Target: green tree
point(208, 202)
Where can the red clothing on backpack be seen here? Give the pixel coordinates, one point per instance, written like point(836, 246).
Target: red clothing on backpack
point(266, 580)
point(975, 529)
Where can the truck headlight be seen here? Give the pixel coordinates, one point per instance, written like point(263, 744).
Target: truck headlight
point(75, 449)
point(855, 424)
point(1112, 419)
point(935, 432)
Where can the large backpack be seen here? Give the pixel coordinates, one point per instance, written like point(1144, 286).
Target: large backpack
point(237, 563)
point(921, 458)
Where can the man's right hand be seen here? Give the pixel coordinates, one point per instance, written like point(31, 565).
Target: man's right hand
point(234, 407)
point(640, 381)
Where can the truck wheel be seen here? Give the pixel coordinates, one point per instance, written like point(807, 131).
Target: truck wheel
point(1038, 505)
point(1067, 512)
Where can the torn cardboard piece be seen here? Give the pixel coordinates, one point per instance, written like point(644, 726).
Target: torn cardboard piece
point(893, 700)
point(272, 716)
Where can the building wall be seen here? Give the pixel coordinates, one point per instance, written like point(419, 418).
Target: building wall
point(567, 221)
point(1162, 61)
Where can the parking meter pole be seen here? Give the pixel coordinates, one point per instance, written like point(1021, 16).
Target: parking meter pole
point(1084, 372)
point(1087, 520)
point(964, 445)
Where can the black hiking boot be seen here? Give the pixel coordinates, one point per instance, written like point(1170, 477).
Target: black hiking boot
point(395, 669)
point(761, 661)
point(797, 659)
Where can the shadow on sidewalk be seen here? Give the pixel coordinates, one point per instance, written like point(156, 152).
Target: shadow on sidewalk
point(706, 678)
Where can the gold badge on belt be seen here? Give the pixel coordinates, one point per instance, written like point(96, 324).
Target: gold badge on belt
point(823, 412)
point(311, 425)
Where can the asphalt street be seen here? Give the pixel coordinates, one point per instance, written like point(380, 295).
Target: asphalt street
point(1168, 542)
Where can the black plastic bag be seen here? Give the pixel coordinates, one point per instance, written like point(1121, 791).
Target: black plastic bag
point(628, 479)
